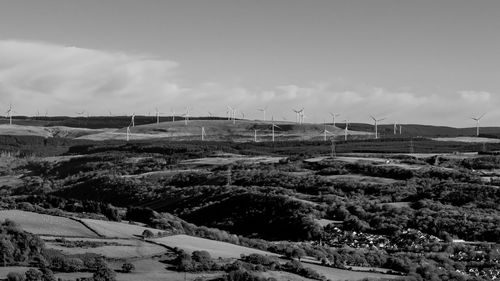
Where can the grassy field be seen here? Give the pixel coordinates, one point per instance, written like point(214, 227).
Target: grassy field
point(469, 139)
point(113, 229)
point(362, 179)
point(221, 130)
point(215, 248)
point(231, 160)
point(46, 224)
point(335, 274)
point(11, 181)
point(46, 132)
point(281, 275)
point(127, 248)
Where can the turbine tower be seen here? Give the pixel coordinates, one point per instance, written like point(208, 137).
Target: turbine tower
point(376, 125)
point(173, 115)
point(157, 115)
point(302, 116)
point(255, 135)
point(272, 128)
point(203, 133)
point(263, 111)
point(186, 116)
point(297, 115)
point(231, 114)
point(395, 127)
point(133, 119)
point(325, 132)
point(128, 132)
point(346, 129)
point(477, 123)
point(333, 117)
point(9, 114)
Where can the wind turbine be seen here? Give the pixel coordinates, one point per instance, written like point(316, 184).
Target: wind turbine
point(477, 122)
point(297, 115)
point(186, 116)
point(128, 132)
point(346, 129)
point(173, 115)
point(255, 135)
point(133, 119)
point(232, 114)
point(272, 128)
point(325, 132)
point(376, 124)
point(9, 114)
point(395, 127)
point(333, 117)
point(157, 115)
point(203, 133)
point(302, 116)
point(263, 111)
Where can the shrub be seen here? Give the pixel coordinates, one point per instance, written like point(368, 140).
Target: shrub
point(14, 276)
point(128, 267)
point(147, 234)
point(33, 275)
point(104, 273)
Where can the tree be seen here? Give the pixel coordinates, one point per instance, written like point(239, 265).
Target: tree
point(298, 253)
point(72, 265)
point(104, 273)
point(128, 267)
point(47, 274)
point(147, 233)
point(33, 275)
point(15, 276)
point(7, 249)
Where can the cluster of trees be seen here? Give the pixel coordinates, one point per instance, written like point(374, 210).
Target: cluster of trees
point(18, 246)
point(200, 261)
point(259, 215)
point(42, 274)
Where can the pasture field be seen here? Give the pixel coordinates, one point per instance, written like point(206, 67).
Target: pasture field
point(362, 179)
point(469, 139)
point(46, 132)
point(336, 274)
point(153, 270)
point(216, 249)
point(46, 224)
point(112, 229)
point(17, 269)
point(325, 222)
point(232, 160)
point(126, 248)
point(282, 275)
point(11, 181)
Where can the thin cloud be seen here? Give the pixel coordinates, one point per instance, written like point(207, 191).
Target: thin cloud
point(65, 80)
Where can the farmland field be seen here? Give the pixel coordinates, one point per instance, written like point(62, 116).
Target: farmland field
point(113, 229)
point(121, 248)
point(362, 179)
point(46, 224)
point(469, 139)
point(336, 274)
point(215, 248)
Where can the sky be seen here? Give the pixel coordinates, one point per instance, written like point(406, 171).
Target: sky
point(427, 62)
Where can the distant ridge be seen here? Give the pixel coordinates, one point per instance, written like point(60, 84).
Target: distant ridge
point(118, 122)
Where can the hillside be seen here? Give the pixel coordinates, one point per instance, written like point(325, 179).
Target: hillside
point(224, 130)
